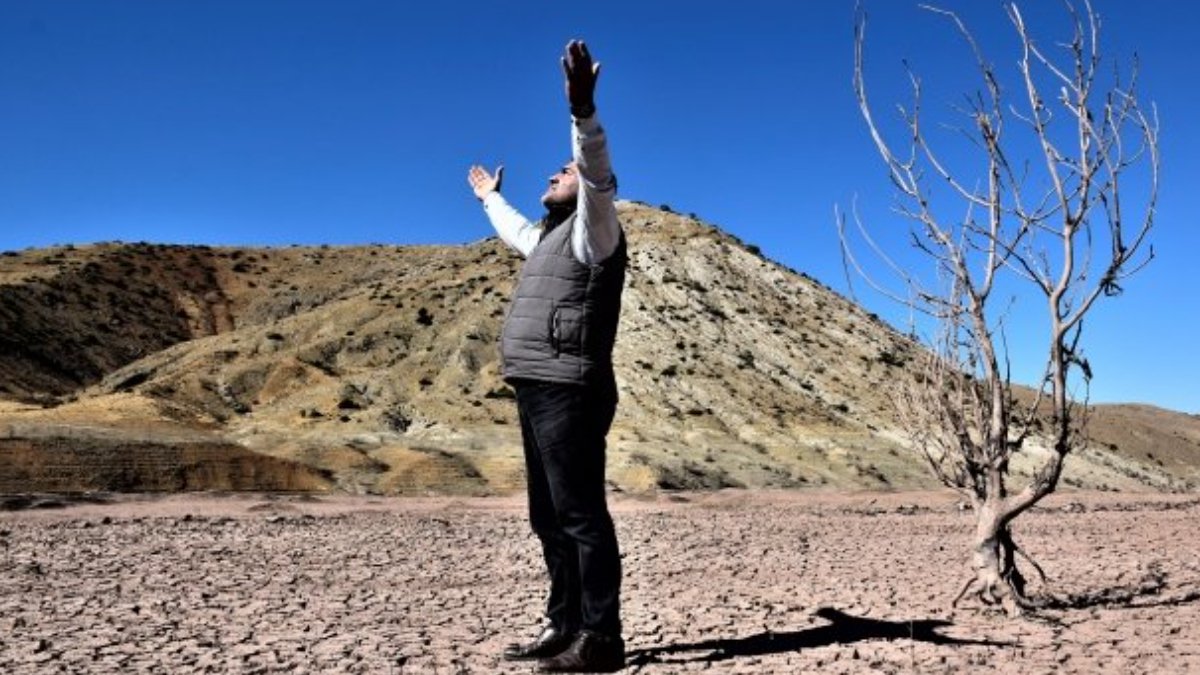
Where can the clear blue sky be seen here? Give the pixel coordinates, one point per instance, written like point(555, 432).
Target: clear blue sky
point(279, 122)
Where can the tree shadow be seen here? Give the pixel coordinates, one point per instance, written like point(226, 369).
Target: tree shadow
point(1148, 592)
point(842, 629)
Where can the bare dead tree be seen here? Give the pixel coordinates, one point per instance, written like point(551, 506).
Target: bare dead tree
point(1061, 159)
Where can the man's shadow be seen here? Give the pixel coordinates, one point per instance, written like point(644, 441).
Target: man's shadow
point(842, 629)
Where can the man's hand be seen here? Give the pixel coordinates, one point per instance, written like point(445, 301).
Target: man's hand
point(484, 183)
point(581, 78)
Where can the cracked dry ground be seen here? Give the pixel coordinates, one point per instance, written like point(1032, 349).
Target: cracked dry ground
point(727, 582)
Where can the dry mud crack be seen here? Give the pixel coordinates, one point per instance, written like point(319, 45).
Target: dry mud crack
point(725, 582)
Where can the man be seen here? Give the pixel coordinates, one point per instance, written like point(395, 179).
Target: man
point(556, 349)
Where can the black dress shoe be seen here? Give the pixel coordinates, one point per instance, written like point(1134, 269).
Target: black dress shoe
point(550, 642)
point(589, 653)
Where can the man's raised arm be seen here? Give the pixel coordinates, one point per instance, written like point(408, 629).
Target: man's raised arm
point(514, 229)
point(596, 231)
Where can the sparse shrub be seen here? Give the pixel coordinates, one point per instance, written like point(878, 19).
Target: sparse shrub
point(502, 392)
point(746, 359)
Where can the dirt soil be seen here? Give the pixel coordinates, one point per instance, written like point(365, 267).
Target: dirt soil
point(731, 581)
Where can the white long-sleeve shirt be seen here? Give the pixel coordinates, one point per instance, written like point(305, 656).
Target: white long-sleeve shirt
point(595, 231)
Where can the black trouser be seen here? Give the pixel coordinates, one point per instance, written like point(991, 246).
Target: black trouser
point(563, 427)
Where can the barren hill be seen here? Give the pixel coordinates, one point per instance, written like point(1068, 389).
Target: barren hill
point(375, 369)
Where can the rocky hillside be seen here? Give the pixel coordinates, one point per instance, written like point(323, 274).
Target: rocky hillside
point(374, 369)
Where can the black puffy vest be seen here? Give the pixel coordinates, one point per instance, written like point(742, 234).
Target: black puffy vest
point(563, 320)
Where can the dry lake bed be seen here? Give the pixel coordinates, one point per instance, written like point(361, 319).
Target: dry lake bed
point(728, 582)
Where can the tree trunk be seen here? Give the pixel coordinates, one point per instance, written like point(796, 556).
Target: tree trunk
point(994, 555)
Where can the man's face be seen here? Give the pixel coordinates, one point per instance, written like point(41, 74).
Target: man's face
point(563, 190)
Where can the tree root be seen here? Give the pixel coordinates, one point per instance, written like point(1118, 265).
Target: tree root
point(1000, 582)
point(1029, 559)
point(966, 587)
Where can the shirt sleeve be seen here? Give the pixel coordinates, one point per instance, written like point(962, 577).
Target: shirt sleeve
point(514, 229)
point(596, 231)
